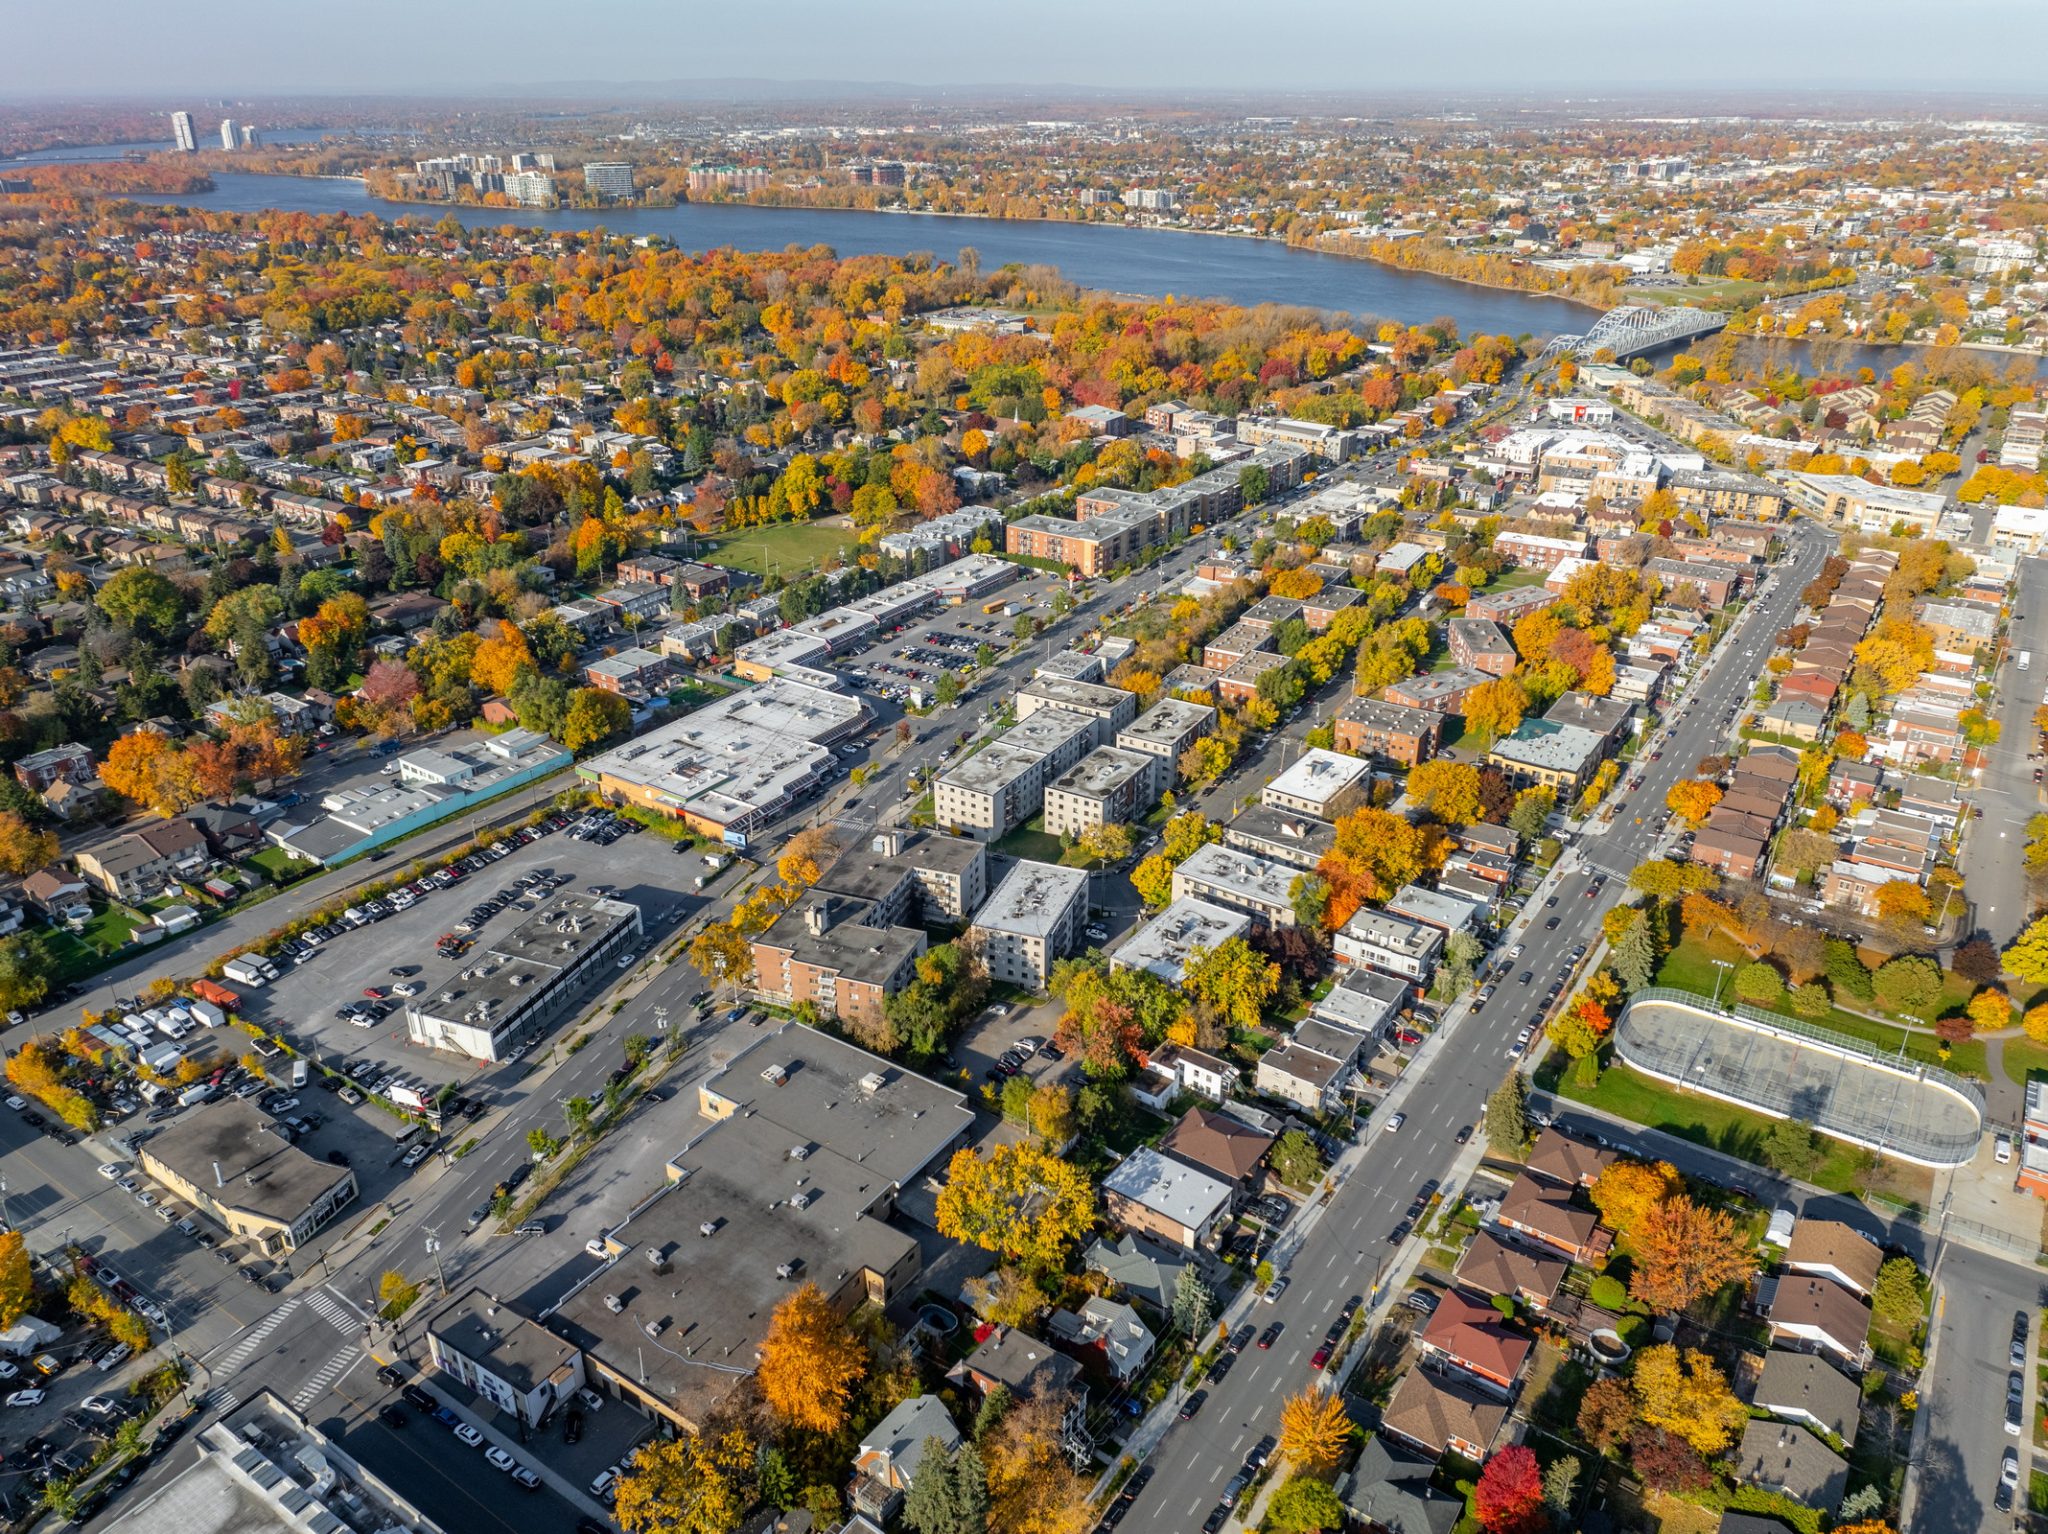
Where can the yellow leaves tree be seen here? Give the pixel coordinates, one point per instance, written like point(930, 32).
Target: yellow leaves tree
point(1314, 1428)
point(810, 1363)
point(1687, 1395)
point(1990, 1009)
point(1693, 800)
point(1376, 852)
point(155, 774)
point(1031, 1487)
point(721, 952)
point(805, 856)
point(1628, 1190)
point(17, 1279)
point(23, 848)
point(1017, 1201)
point(1493, 709)
point(1301, 584)
point(1446, 789)
point(1685, 1252)
point(702, 1484)
point(499, 659)
point(1233, 981)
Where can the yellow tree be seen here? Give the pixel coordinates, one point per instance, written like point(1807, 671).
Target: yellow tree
point(805, 856)
point(17, 1279)
point(722, 952)
point(499, 659)
point(1233, 981)
point(1687, 1395)
point(696, 1485)
point(23, 848)
point(1031, 1487)
point(1693, 800)
point(1314, 1429)
point(1493, 709)
point(1628, 1190)
point(810, 1363)
point(1017, 1201)
point(1685, 1252)
point(148, 769)
point(1446, 789)
point(1990, 1010)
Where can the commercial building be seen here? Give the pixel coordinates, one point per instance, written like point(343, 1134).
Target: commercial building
point(1223, 877)
point(1321, 783)
point(609, 178)
point(234, 1163)
point(1163, 732)
point(1033, 919)
point(1377, 727)
point(731, 767)
point(261, 1468)
point(805, 1144)
point(1106, 787)
point(1849, 500)
point(841, 956)
point(519, 1366)
point(1167, 943)
point(520, 984)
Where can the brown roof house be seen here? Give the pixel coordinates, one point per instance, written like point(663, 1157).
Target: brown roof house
point(1220, 1145)
point(1435, 1412)
point(1545, 1213)
point(1562, 1159)
point(1024, 1366)
point(1829, 1249)
point(1819, 1314)
point(137, 864)
point(1492, 1266)
point(1469, 1335)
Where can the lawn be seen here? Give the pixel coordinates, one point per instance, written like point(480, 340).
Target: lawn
point(1733, 1131)
point(788, 549)
point(1735, 290)
point(695, 693)
point(1029, 841)
point(1690, 966)
point(1521, 575)
point(2021, 1058)
point(277, 863)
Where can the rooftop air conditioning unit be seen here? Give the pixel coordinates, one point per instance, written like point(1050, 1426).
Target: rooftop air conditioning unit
point(775, 1075)
point(655, 1328)
point(785, 1270)
point(799, 1152)
point(614, 1305)
point(872, 1082)
point(708, 1228)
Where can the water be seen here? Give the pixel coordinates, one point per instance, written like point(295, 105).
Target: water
point(83, 153)
point(1122, 260)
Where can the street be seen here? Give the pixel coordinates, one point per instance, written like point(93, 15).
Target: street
point(1993, 863)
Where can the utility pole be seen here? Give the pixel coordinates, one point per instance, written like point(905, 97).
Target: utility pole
point(433, 1235)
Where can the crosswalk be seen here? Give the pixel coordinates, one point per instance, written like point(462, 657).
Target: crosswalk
point(332, 1310)
point(254, 1338)
point(329, 1372)
point(220, 1400)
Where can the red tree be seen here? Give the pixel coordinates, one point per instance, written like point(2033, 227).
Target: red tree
point(1666, 1462)
point(1509, 1496)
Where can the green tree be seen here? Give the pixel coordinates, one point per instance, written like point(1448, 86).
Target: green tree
point(1793, 1148)
point(25, 971)
point(143, 600)
point(1296, 1160)
point(1909, 983)
point(1531, 814)
point(1758, 984)
point(1254, 484)
point(1899, 1299)
point(946, 691)
point(1846, 972)
point(1194, 1306)
point(1302, 1505)
point(1634, 956)
point(1507, 1116)
point(1811, 1001)
point(1309, 895)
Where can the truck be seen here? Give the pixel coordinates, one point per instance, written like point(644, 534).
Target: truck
point(243, 971)
point(2026, 656)
point(219, 995)
point(716, 862)
point(206, 1012)
point(299, 1070)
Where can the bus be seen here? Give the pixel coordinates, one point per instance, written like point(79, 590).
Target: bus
point(992, 607)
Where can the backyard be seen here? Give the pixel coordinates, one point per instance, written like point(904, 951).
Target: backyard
point(788, 549)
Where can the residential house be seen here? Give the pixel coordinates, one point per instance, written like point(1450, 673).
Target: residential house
point(1391, 1489)
point(1786, 1458)
point(1312, 1069)
point(1819, 1314)
point(1545, 1213)
point(1831, 1250)
point(1154, 1194)
point(1492, 1267)
point(1142, 1269)
point(136, 865)
point(1564, 1159)
point(1183, 1068)
point(893, 1449)
point(1025, 1367)
point(1438, 1412)
point(71, 763)
point(1220, 1145)
point(1389, 943)
point(1809, 1389)
point(1110, 1328)
point(1469, 1335)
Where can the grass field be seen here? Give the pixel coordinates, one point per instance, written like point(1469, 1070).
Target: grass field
point(1735, 290)
point(789, 549)
point(2022, 1057)
point(1521, 575)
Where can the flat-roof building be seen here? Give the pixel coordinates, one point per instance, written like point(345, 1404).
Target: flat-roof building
point(516, 1364)
point(1390, 943)
point(1106, 787)
point(1321, 783)
point(1378, 727)
point(1281, 836)
point(927, 876)
point(235, 1163)
point(841, 956)
point(1167, 943)
point(1033, 919)
point(1163, 732)
point(1542, 752)
point(1110, 707)
point(991, 793)
point(1228, 878)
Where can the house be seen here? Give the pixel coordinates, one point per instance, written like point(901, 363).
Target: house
point(1492, 1266)
point(1390, 1489)
point(1220, 1145)
point(1785, 1458)
point(1389, 943)
point(1545, 1213)
point(1110, 1328)
point(1154, 1194)
point(1363, 1000)
point(1829, 1249)
point(1312, 1068)
point(1820, 1314)
point(1437, 1412)
point(1183, 1068)
point(1468, 1334)
point(889, 1456)
point(58, 894)
point(1140, 1268)
point(1023, 1366)
point(137, 864)
point(1568, 1161)
point(67, 764)
point(1808, 1389)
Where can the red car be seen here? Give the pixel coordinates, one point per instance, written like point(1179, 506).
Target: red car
point(375, 992)
point(1322, 1357)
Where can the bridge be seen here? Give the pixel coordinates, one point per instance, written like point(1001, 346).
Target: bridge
point(1636, 328)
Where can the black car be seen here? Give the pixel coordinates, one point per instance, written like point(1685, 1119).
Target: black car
point(419, 1399)
point(1115, 1513)
point(1240, 1337)
point(1139, 1480)
point(391, 1375)
point(1193, 1404)
point(391, 1416)
point(1218, 1516)
point(572, 1426)
point(1222, 1366)
point(1270, 1335)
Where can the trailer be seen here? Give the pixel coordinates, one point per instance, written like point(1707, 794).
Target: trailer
point(219, 995)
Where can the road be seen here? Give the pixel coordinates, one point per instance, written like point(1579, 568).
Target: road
point(1346, 1242)
point(1993, 856)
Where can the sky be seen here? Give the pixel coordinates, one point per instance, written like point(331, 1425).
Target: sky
point(146, 48)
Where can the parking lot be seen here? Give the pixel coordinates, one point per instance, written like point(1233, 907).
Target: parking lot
point(896, 664)
point(320, 1002)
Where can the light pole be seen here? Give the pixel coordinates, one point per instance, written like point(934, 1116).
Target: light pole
point(433, 1235)
point(1720, 967)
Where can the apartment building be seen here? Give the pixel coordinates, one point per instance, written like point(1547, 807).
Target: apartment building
point(838, 955)
point(1480, 644)
point(1106, 787)
point(1111, 708)
point(1033, 920)
point(1163, 733)
point(1322, 783)
point(1232, 879)
point(1378, 727)
point(1392, 944)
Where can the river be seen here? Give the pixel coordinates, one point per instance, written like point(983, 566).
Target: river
point(1244, 271)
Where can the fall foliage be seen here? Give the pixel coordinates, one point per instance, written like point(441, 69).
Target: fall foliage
point(809, 1363)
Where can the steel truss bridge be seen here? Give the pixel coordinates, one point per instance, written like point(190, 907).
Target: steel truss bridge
point(1636, 328)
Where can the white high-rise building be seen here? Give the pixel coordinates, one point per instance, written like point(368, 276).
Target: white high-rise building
point(181, 131)
point(229, 138)
point(252, 137)
point(609, 178)
point(530, 188)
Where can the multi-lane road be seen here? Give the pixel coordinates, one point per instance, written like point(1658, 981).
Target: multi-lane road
point(1346, 1246)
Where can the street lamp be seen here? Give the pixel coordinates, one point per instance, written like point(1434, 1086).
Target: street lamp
point(1720, 965)
point(433, 1235)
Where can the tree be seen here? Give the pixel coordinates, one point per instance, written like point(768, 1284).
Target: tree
point(1903, 906)
point(1233, 981)
point(1561, 1486)
point(1687, 1395)
point(949, 1494)
point(1693, 800)
point(1296, 1160)
point(1685, 1252)
point(1627, 1191)
point(1031, 1487)
point(1304, 1504)
point(1666, 1462)
point(1313, 1431)
point(1664, 878)
point(1507, 1116)
point(1494, 709)
point(396, 1293)
point(24, 849)
point(1446, 789)
point(721, 952)
point(1606, 1411)
point(594, 715)
point(1910, 983)
point(1845, 969)
point(1976, 960)
point(1634, 955)
point(17, 1279)
point(1018, 1202)
point(1194, 1306)
point(1802, 950)
point(1793, 1148)
point(810, 1363)
point(141, 599)
point(1899, 1298)
point(147, 768)
point(702, 1484)
point(1509, 1496)
point(26, 967)
point(1759, 984)
point(1531, 815)
point(1990, 1010)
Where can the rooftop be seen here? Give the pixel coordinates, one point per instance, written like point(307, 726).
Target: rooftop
point(258, 1170)
point(1170, 1188)
point(1032, 898)
point(1547, 744)
point(1166, 944)
point(1166, 721)
point(1237, 873)
point(1101, 773)
point(1318, 777)
point(518, 1351)
point(521, 965)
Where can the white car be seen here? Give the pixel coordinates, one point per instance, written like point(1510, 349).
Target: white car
point(25, 1398)
point(405, 988)
point(469, 1435)
point(626, 960)
point(16, 1103)
point(2002, 1148)
point(146, 1199)
point(500, 1460)
point(1396, 1122)
point(596, 1247)
point(589, 1399)
point(526, 1477)
point(112, 1170)
point(7, 1370)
